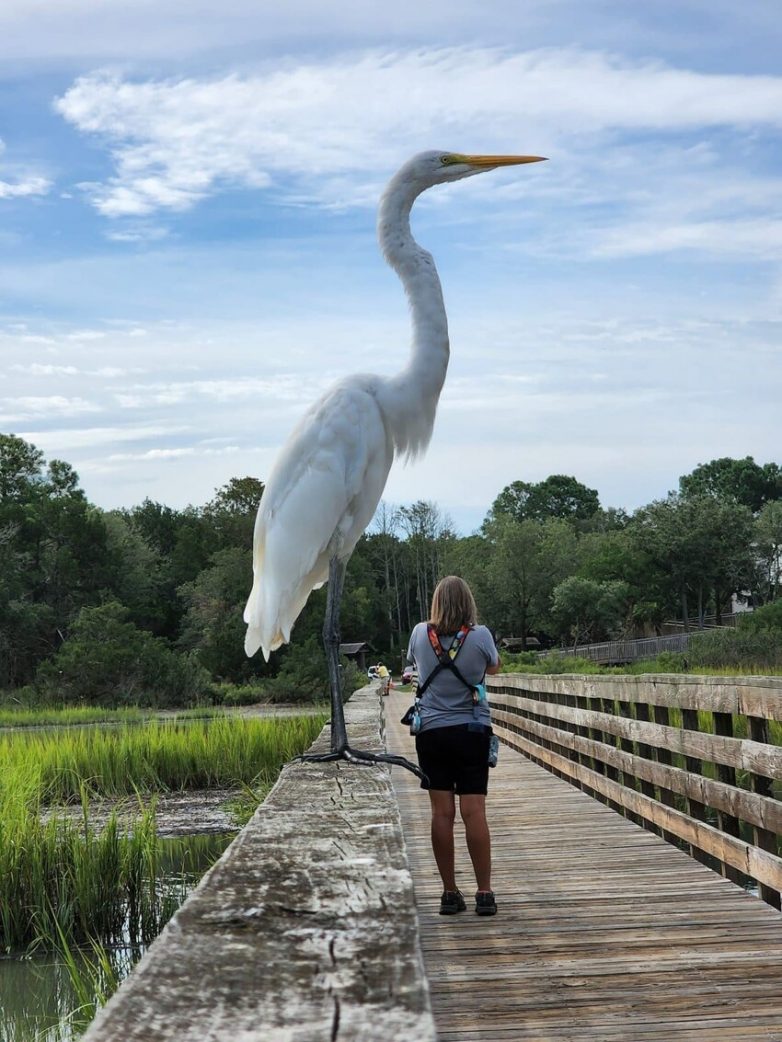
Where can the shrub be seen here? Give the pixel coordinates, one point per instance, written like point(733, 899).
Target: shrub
point(240, 694)
point(513, 663)
point(303, 676)
point(529, 662)
point(107, 660)
point(745, 648)
point(768, 618)
point(668, 662)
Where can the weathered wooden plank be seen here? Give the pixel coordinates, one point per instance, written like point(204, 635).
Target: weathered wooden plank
point(751, 860)
point(761, 810)
point(749, 696)
point(304, 931)
point(604, 932)
point(765, 835)
point(723, 725)
point(733, 752)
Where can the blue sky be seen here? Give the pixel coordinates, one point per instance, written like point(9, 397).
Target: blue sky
point(187, 252)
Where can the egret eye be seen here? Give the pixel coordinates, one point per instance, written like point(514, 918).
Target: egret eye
point(445, 160)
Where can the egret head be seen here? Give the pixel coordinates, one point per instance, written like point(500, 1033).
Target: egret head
point(436, 167)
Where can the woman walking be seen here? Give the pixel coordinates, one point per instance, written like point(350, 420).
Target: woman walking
point(452, 655)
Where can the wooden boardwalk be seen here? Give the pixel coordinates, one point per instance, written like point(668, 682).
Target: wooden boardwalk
point(605, 933)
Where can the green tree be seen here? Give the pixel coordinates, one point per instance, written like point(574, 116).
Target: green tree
point(20, 466)
point(384, 551)
point(614, 555)
point(138, 575)
point(428, 532)
point(768, 545)
point(107, 660)
point(232, 511)
point(737, 480)
point(559, 496)
point(213, 627)
point(55, 552)
point(699, 547)
point(587, 610)
point(768, 618)
point(527, 560)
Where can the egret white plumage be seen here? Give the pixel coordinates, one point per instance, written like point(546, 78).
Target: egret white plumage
point(328, 479)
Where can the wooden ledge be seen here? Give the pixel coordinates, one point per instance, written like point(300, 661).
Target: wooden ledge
point(305, 930)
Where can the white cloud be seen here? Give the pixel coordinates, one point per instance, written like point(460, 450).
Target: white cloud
point(172, 454)
point(26, 407)
point(86, 334)
point(758, 239)
point(25, 184)
point(174, 142)
point(60, 440)
point(138, 233)
point(26, 187)
point(36, 369)
point(285, 388)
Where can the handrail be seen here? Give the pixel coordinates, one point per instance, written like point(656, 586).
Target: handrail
point(305, 929)
point(692, 757)
point(625, 650)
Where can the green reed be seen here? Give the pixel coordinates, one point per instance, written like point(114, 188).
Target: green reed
point(61, 874)
point(160, 756)
point(54, 716)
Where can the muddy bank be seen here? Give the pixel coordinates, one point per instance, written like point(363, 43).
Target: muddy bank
point(195, 813)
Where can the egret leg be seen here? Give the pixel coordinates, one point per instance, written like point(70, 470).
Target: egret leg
point(340, 749)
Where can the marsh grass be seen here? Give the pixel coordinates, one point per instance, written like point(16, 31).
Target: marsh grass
point(63, 875)
point(94, 973)
point(666, 662)
point(70, 716)
point(160, 756)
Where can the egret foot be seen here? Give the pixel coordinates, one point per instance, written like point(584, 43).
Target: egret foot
point(361, 756)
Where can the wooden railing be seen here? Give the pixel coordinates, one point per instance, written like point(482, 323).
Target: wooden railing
point(620, 651)
point(696, 759)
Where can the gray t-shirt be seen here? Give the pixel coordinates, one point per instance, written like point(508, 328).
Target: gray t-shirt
point(446, 701)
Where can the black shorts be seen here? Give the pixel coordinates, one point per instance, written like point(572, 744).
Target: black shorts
point(455, 759)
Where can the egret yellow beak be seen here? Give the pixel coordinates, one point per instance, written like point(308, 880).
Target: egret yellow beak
point(481, 161)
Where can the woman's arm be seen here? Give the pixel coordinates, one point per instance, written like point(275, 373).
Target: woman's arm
point(491, 670)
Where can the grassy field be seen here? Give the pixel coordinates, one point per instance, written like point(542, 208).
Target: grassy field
point(60, 877)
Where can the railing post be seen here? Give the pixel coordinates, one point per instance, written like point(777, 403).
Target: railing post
point(723, 725)
point(644, 750)
point(696, 810)
point(628, 780)
point(662, 716)
point(758, 732)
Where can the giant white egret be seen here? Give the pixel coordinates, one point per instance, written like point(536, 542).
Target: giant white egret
point(328, 479)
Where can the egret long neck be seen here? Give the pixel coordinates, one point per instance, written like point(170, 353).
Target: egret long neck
point(416, 389)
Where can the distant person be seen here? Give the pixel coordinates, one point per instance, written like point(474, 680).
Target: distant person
point(454, 736)
point(385, 678)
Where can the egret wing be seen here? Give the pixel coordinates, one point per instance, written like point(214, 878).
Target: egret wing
point(320, 496)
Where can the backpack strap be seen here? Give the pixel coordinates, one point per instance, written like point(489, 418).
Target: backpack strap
point(445, 659)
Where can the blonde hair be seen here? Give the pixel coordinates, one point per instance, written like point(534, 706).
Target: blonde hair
point(453, 605)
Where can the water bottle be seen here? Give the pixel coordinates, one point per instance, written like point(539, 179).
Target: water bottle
point(494, 750)
point(480, 691)
point(415, 722)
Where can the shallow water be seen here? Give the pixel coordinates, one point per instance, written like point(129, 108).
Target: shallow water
point(37, 999)
point(195, 812)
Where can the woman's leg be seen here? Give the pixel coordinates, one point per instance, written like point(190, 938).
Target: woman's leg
point(443, 814)
point(473, 811)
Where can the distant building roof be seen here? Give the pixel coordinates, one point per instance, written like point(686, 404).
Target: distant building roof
point(354, 649)
point(519, 643)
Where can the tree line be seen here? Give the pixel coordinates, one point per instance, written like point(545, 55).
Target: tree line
point(122, 605)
